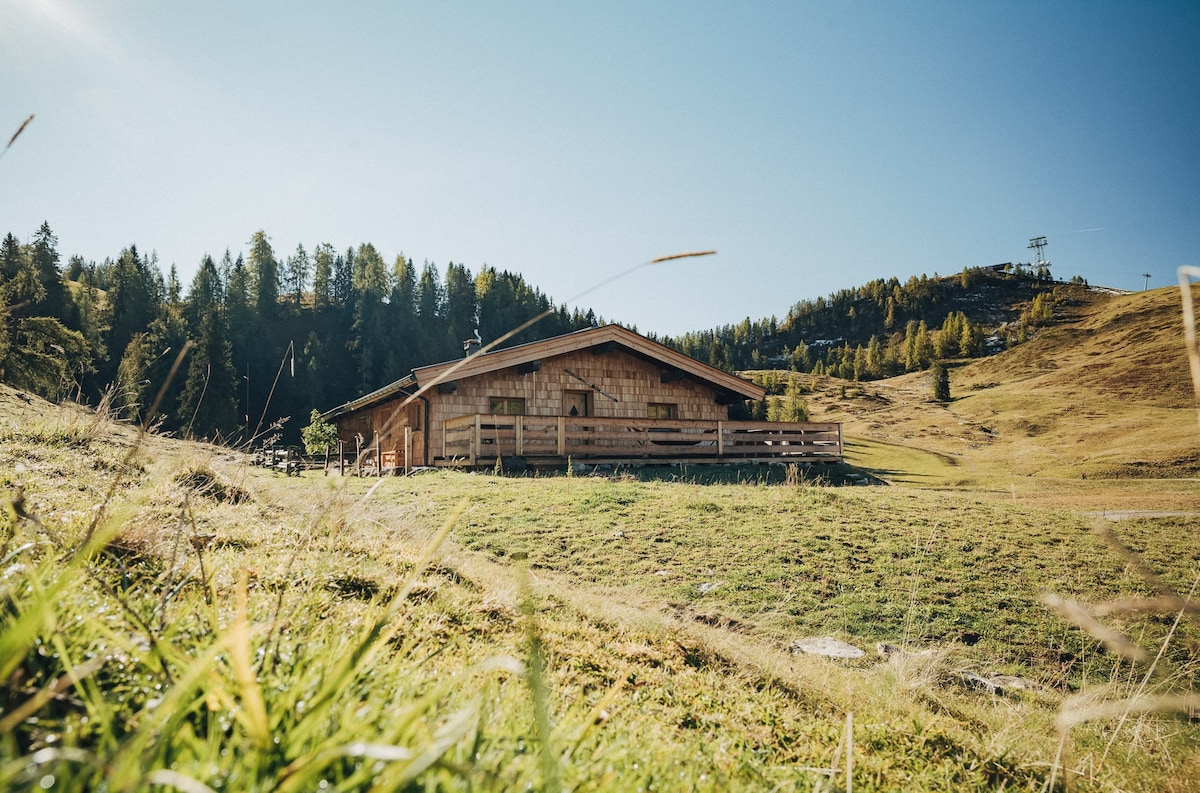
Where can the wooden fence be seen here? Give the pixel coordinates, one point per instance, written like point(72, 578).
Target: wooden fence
point(479, 439)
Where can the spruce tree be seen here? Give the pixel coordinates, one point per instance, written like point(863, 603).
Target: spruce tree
point(323, 259)
point(298, 270)
point(56, 300)
point(462, 307)
point(372, 285)
point(204, 295)
point(939, 377)
point(133, 303)
point(264, 273)
point(144, 368)
point(207, 406)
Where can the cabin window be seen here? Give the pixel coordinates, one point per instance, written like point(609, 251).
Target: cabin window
point(507, 406)
point(658, 410)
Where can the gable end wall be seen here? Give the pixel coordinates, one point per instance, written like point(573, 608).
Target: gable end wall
point(634, 382)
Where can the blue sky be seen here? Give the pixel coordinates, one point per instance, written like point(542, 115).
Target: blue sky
point(815, 146)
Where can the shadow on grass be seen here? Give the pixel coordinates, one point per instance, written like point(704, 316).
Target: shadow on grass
point(775, 473)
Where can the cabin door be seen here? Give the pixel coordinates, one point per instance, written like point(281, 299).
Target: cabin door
point(577, 403)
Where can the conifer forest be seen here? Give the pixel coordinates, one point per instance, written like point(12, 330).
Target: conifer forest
point(259, 339)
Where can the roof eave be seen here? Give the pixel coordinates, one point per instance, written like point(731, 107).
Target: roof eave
point(378, 395)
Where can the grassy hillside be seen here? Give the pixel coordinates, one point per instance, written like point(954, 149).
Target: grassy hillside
point(227, 628)
point(1092, 412)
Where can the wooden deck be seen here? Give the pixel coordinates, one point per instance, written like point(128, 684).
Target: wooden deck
point(478, 440)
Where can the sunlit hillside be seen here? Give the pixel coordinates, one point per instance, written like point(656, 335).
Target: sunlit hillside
point(1104, 393)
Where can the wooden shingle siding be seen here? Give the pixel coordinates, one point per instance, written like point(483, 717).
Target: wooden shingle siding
point(634, 383)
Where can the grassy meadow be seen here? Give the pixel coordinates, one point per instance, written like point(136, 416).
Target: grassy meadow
point(174, 618)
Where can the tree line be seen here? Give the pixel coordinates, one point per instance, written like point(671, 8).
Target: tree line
point(267, 336)
point(270, 336)
point(885, 327)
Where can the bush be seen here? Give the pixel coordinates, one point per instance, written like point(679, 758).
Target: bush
point(319, 436)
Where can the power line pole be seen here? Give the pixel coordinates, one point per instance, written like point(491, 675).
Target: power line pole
point(1041, 267)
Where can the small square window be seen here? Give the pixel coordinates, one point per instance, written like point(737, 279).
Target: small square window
point(662, 411)
point(507, 406)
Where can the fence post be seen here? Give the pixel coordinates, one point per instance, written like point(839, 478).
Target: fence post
point(562, 436)
point(720, 439)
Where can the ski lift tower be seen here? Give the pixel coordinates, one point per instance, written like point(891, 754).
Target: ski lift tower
point(1041, 266)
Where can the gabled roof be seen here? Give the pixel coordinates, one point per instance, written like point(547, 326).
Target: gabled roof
point(589, 338)
point(612, 335)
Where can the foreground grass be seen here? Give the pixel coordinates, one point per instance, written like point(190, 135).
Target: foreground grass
point(233, 630)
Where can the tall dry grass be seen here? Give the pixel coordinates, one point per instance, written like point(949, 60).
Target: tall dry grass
point(1129, 707)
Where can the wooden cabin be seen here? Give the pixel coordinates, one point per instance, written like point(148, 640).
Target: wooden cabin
point(599, 395)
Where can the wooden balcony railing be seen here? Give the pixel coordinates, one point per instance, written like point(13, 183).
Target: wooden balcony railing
point(479, 439)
